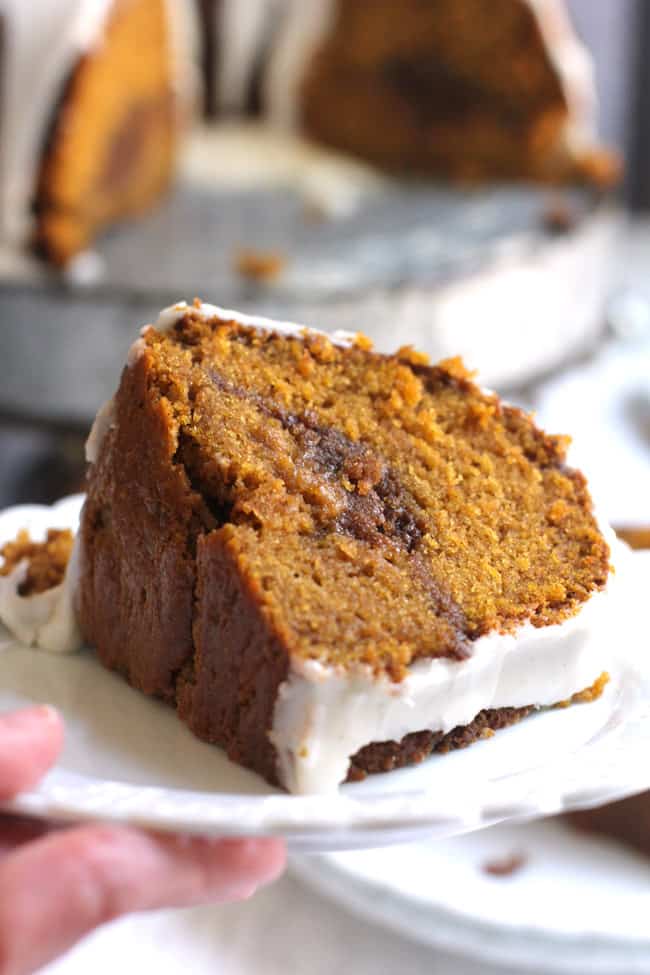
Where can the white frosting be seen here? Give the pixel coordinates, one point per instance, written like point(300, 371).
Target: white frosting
point(239, 154)
point(306, 25)
point(103, 422)
point(323, 715)
point(574, 68)
point(243, 29)
point(46, 620)
point(169, 316)
point(43, 41)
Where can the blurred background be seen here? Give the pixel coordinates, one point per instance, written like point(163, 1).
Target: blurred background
point(428, 172)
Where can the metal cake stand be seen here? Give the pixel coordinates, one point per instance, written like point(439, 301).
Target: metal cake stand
point(381, 268)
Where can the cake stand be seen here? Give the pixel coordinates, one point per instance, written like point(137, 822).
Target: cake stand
point(513, 278)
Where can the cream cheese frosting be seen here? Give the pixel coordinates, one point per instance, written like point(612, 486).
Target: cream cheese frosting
point(169, 316)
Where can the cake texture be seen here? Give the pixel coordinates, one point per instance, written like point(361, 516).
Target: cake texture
point(332, 561)
point(95, 141)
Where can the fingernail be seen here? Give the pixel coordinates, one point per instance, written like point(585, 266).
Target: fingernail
point(40, 713)
point(48, 714)
point(241, 893)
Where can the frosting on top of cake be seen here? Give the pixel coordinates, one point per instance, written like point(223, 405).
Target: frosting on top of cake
point(170, 316)
point(573, 65)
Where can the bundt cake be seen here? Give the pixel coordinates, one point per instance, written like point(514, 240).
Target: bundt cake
point(457, 89)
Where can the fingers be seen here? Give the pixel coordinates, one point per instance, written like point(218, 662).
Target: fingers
point(57, 889)
point(30, 742)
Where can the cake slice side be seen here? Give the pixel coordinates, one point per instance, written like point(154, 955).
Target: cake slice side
point(139, 527)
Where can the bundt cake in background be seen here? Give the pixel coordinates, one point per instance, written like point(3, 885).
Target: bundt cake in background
point(454, 89)
point(91, 97)
point(92, 92)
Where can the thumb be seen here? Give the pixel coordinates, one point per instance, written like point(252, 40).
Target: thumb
point(30, 743)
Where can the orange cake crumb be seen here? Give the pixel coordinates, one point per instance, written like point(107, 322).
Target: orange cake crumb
point(47, 561)
point(259, 265)
point(589, 693)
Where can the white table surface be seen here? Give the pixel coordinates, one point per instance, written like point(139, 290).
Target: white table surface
point(284, 930)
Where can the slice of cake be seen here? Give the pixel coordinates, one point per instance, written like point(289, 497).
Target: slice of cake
point(331, 561)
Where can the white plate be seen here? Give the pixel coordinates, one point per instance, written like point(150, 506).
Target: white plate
point(577, 904)
point(128, 758)
point(607, 402)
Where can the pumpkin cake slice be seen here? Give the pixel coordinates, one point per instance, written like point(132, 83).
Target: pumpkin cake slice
point(331, 561)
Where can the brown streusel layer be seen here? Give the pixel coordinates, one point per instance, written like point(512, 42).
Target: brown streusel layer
point(414, 748)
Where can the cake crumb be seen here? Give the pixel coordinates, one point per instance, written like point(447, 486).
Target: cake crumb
point(601, 168)
point(636, 537)
point(558, 216)
point(506, 866)
point(411, 355)
point(46, 561)
point(589, 694)
point(259, 265)
point(456, 368)
point(362, 341)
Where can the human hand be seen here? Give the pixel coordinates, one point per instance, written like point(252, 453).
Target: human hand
point(56, 885)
